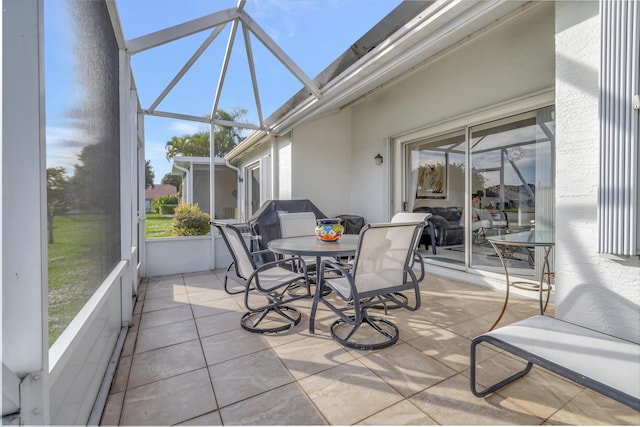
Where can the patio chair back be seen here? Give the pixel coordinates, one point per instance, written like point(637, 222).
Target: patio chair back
point(294, 224)
point(418, 263)
point(385, 252)
point(242, 259)
point(410, 217)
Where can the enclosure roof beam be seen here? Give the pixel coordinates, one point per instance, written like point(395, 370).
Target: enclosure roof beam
point(187, 66)
point(252, 69)
point(201, 119)
point(225, 66)
point(280, 54)
point(179, 31)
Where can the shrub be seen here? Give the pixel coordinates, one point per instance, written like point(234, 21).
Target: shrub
point(189, 220)
point(168, 209)
point(158, 202)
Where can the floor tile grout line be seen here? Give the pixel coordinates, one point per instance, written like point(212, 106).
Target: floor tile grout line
point(442, 326)
point(204, 356)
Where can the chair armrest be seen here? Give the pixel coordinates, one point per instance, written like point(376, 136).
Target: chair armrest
point(345, 270)
point(261, 251)
point(417, 258)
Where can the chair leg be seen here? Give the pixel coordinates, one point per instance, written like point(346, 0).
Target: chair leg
point(390, 333)
point(226, 279)
point(251, 320)
point(314, 307)
point(432, 235)
point(496, 386)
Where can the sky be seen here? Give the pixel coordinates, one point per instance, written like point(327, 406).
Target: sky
point(312, 33)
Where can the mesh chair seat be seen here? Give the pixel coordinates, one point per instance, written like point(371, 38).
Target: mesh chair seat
point(370, 282)
point(272, 278)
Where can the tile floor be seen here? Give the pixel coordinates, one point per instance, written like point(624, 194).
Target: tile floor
point(186, 361)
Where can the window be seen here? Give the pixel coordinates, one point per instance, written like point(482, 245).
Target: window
point(253, 181)
point(83, 154)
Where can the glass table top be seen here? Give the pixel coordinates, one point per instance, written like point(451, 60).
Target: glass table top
point(525, 238)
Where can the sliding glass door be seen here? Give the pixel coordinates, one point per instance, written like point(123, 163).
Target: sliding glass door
point(484, 180)
point(435, 177)
point(513, 169)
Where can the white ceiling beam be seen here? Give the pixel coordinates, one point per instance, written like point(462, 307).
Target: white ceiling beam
point(223, 71)
point(115, 22)
point(202, 119)
point(252, 69)
point(179, 31)
point(280, 54)
point(235, 124)
point(187, 66)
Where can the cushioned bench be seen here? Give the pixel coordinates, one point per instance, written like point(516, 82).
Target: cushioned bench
point(604, 363)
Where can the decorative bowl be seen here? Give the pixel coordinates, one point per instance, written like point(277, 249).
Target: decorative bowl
point(329, 229)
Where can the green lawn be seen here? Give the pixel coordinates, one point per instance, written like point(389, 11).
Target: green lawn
point(74, 268)
point(75, 259)
point(158, 225)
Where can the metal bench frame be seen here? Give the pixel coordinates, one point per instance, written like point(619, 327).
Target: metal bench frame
point(579, 360)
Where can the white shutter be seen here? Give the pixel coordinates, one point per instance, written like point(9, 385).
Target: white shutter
point(618, 203)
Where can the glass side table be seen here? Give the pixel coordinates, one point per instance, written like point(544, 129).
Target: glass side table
point(529, 240)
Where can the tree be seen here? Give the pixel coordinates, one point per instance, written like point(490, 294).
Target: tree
point(226, 137)
point(92, 173)
point(58, 201)
point(198, 144)
point(174, 180)
point(149, 176)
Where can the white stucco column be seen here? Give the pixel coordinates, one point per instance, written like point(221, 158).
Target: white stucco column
point(591, 289)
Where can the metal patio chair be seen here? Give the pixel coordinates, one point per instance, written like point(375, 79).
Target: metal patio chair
point(266, 285)
point(381, 269)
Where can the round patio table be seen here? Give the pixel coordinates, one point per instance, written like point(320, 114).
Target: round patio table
point(312, 246)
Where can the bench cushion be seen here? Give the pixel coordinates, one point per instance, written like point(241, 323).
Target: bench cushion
point(573, 349)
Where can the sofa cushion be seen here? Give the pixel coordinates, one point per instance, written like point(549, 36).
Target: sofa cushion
point(451, 214)
point(446, 223)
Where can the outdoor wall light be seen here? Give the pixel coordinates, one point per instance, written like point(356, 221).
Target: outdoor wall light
point(378, 159)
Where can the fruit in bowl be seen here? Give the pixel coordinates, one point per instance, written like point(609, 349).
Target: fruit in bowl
point(329, 229)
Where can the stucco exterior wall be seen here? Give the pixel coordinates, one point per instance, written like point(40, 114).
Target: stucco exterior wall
point(510, 61)
point(591, 289)
point(322, 166)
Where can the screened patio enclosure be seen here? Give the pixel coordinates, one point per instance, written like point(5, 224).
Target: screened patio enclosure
point(90, 151)
point(532, 140)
